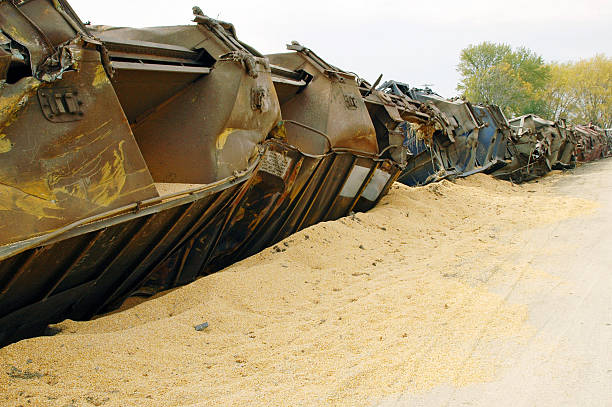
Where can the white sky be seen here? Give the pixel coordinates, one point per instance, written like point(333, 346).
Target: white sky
point(414, 42)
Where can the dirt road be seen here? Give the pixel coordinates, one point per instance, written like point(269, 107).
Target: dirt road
point(477, 292)
point(568, 360)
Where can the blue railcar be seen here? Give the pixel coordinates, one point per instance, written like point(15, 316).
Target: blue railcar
point(472, 138)
point(492, 149)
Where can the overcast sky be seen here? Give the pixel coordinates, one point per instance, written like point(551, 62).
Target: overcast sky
point(414, 42)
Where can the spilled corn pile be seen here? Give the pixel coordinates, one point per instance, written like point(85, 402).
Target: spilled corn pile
point(345, 312)
point(135, 160)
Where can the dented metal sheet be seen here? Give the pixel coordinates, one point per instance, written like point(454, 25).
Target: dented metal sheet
point(84, 148)
point(591, 143)
point(493, 138)
point(159, 155)
point(272, 207)
point(204, 147)
point(459, 154)
point(536, 146)
point(321, 162)
point(66, 150)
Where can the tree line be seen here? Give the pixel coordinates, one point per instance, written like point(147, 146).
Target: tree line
point(521, 82)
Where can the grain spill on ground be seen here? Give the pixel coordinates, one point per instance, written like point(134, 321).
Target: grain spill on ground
point(403, 298)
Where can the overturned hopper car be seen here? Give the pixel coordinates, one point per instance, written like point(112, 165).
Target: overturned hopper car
point(592, 143)
point(457, 151)
point(537, 146)
point(114, 151)
point(322, 162)
point(139, 159)
point(465, 139)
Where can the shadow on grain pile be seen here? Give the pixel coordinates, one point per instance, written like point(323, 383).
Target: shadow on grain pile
point(402, 298)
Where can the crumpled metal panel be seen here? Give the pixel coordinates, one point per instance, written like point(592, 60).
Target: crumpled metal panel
point(206, 116)
point(321, 163)
point(464, 138)
point(537, 146)
point(591, 143)
point(493, 138)
point(84, 223)
point(205, 147)
point(66, 150)
point(394, 116)
point(459, 156)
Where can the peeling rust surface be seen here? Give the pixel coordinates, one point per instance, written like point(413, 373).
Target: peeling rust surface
point(469, 139)
point(94, 121)
point(137, 159)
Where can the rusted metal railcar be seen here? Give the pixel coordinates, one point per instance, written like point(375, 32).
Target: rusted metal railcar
point(424, 163)
point(395, 117)
point(323, 161)
point(465, 139)
point(164, 157)
point(418, 126)
point(591, 143)
point(458, 151)
point(537, 146)
point(113, 153)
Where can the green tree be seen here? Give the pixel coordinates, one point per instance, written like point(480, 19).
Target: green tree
point(592, 86)
point(477, 58)
point(558, 95)
point(512, 79)
point(581, 91)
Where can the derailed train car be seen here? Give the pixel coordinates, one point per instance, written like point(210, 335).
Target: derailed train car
point(537, 146)
point(136, 158)
point(423, 164)
point(592, 143)
point(112, 153)
point(326, 159)
point(483, 140)
point(467, 139)
point(457, 151)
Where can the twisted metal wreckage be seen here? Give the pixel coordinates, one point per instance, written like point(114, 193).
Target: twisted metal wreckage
point(139, 159)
